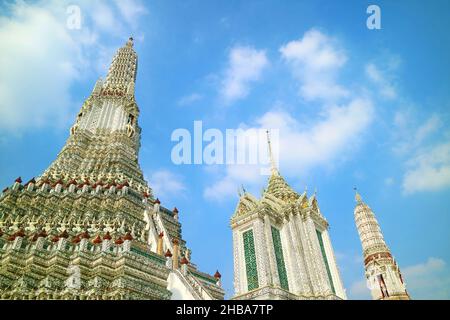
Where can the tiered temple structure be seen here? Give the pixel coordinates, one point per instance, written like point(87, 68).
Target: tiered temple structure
point(382, 272)
point(89, 227)
point(282, 249)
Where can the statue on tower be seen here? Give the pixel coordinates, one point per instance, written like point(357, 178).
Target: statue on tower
point(77, 124)
point(130, 125)
point(130, 42)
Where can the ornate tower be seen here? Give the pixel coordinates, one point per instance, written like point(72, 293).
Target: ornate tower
point(382, 272)
point(282, 249)
point(89, 226)
point(105, 139)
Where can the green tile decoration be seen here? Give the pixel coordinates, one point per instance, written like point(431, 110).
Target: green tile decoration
point(250, 260)
point(279, 258)
point(324, 255)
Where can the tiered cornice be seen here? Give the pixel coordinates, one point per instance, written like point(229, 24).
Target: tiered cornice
point(369, 230)
point(122, 72)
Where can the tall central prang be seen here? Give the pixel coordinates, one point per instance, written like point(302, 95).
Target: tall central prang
point(89, 226)
point(104, 141)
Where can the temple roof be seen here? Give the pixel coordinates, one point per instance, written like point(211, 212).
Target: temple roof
point(277, 194)
point(279, 188)
point(247, 203)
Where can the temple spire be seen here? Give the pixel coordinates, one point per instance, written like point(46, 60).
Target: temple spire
point(122, 71)
point(277, 186)
point(273, 167)
point(130, 42)
point(383, 275)
point(357, 195)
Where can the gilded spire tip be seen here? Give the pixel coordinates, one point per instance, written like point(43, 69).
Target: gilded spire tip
point(357, 195)
point(130, 42)
point(273, 167)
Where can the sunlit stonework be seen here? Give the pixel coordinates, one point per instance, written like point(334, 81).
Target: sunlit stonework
point(382, 272)
point(89, 227)
point(281, 245)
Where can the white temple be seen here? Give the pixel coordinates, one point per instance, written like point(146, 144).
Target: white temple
point(281, 245)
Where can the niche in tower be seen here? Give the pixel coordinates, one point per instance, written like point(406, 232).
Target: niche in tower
point(130, 119)
point(130, 125)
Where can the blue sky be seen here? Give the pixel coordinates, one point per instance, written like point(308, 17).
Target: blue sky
point(355, 107)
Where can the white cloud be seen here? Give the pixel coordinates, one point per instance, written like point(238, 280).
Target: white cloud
point(427, 160)
point(245, 66)
point(428, 280)
point(320, 143)
point(314, 61)
point(386, 88)
point(221, 189)
point(410, 133)
point(165, 183)
point(323, 141)
point(429, 169)
point(389, 181)
point(359, 291)
point(431, 265)
point(315, 51)
point(42, 59)
point(429, 127)
point(104, 18)
point(236, 176)
point(190, 99)
point(131, 10)
point(35, 47)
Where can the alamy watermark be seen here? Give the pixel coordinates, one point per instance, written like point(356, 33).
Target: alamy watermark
point(73, 21)
point(373, 22)
point(234, 146)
